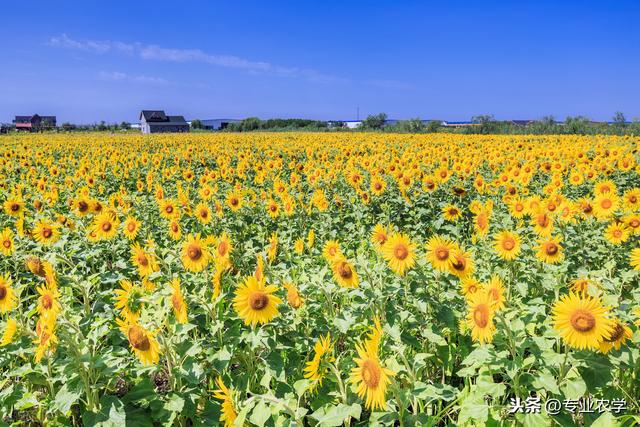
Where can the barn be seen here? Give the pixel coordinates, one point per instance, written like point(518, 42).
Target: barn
point(156, 121)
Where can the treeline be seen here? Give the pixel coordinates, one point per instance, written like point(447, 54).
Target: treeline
point(255, 124)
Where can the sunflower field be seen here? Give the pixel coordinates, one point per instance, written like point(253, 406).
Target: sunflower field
point(301, 279)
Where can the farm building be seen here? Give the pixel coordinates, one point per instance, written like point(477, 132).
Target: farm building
point(34, 123)
point(156, 121)
point(218, 124)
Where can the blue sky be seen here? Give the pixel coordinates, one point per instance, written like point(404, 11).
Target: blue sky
point(320, 59)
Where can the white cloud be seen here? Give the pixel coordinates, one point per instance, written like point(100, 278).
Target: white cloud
point(119, 76)
point(158, 53)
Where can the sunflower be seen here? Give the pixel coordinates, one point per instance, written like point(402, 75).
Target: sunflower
point(507, 245)
point(145, 262)
point(10, 329)
point(550, 251)
point(46, 232)
point(14, 207)
point(582, 321)
point(616, 233)
point(399, 253)
point(316, 369)
point(495, 291)
point(619, 335)
point(254, 302)
point(224, 248)
point(174, 230)
point(131, 227)
point(344, 273)
point(46, 338)
point(169, 209)
point(331, 251)
point(293, 296)
point(451, 213)
point(580, 285)
point(195, 255)
point(48, 305)
point(272, 250)
point(311, 239)
point(480, 317)
point(6, 242)
point(439, 252)
point(469, 286)
point(632, 199)
point(203, 213)
point(378, 186)
point(234, 201)
point(605, 205)
point(177, 302)
point(129, 300)
point(273, 209)
point(299, 246)
point(542, 224)
point(633, 223)
point(379, 236)
point(8, 300)
point(142, 342)
point(228, 413)
point(634, 259)
point(370, 376)
point(105, 225)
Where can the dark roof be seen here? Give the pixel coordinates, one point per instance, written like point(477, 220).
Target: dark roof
point(153, 116)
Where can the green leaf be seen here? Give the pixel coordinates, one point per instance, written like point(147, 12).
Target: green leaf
point(260, 414)
point(65, 398)
point(333, 416)
point(605, 420)
point(111, 414)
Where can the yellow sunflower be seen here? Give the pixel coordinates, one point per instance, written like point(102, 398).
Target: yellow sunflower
point(128, 300)
point(399, 253)
point(46, 338)
point(178, 303)
point(439, 252)
point(495, 291)
point(469, 286)
point(331, 251)
point(168, 209)
point(550, 251)
point(370, 376)
point(616, 233)
point(272, 249)
point(228, 412)
point(8, 300)
point(144, 261)
point(6, 242)
point(195, 254)
point(174, 230)
point(619, 335)
point(10, 329)
point(224, 247)
point(507, 245)
point(48, 305)
point(293, 296)
point(344, 273)
point(451, 213)
point(203, 213)
point(316, 369)
point(582, 321)
point(480, 317)
point(105, 225)
point(255, 303)
point(46, 232)
point(460, 263)
point(379, 236)
point(131, 227)
point(142, 341)
point(605, 205)
point(634, 259)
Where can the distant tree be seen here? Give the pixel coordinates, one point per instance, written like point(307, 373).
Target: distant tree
point(336, 124)
point(548, 121)
point(68, 127)
point(374, 122)
point(487, 124)
point(125, 125)
point(619, 119)
point(577, 125)
point(434, 126)
point(482, 119)
point(412, 125)
point(102, 126)
point(197, 124)
point(250, 123)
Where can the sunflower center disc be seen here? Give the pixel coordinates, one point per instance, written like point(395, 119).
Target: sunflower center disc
point(442, 254)
point(345, 271)
point(258, 300)
point(106, 227)
point(6, 244)
point(139, 339)
point(616, 334)
point(401, 252)
point(583, 321)
point(3, 292)
point(47, 233)
point(47, 302)
point(481, 315)
point(142, 260)
point(508, 243)
point(606, 203)
point(552, 249)
point(194, 253)
point(371, 373)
